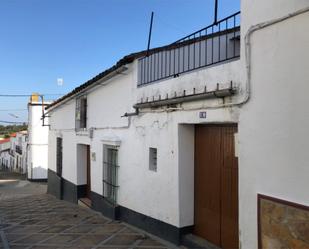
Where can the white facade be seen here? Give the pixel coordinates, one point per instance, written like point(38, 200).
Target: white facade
point(13, 153)
point(272, 125)
point(158, 130)
point(37, 161)
point(5, 146)
point(18, 152)
point(273, 137)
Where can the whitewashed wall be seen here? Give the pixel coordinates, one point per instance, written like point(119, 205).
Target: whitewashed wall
point(5, 146)
point(273, 136)
point(4, 154)
point(271, 128)
point(156, 194)
point(38, 143)
point(20, 159)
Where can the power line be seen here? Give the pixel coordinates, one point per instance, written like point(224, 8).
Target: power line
point(12, 110)
point(11, 122)
point(29, 95)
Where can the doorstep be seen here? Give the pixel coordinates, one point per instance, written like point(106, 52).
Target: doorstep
point(192, 241)
point(84, 202)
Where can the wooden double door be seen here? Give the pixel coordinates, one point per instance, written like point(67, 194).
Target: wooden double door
point(216, 185)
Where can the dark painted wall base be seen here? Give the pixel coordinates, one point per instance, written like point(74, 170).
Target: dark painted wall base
point(99, 204)
point(161, 229)
point(54, 184)
point(64, 189)
point(37, 180)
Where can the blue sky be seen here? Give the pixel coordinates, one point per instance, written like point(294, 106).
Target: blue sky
point(42, 40)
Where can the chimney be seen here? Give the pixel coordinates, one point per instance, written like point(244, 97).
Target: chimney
point(34, 98)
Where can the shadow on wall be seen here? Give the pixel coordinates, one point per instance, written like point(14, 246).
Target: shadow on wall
point(38, 173)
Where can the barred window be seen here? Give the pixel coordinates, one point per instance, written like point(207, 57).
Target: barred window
point(153, 159)
point(110, 173)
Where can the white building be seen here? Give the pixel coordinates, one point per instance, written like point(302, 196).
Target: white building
point(37, 161)
point(18, 152)
point(189, 137)
point(5, 145)
point(13, 154)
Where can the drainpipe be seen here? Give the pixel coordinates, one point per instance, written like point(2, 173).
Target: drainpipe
point(130, 114)
point(43, 113)
point(248, 35)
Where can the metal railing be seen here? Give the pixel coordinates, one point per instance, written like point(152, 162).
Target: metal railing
point(229, 22)
point(213, 44)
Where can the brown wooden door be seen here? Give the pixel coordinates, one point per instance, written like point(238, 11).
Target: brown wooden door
point(216, 185)
point(88, 189)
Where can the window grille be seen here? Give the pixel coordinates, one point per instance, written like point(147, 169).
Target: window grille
point(110, 174)
point(153, 159)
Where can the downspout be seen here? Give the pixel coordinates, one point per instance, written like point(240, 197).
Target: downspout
point(130, 114)
point(250, 31)
point(247, 38)
point(43, 113)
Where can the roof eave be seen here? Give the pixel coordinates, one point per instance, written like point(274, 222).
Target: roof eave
point(99, 81)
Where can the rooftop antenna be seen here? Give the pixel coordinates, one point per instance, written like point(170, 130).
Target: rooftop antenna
point(13, 115)
point(150, 31)
point(216, 13)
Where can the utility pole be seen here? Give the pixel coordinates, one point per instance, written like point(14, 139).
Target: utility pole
point(150, 31)
point(216, 12)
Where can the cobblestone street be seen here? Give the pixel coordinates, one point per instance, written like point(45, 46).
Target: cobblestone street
point(14, 185)
point(37, 220)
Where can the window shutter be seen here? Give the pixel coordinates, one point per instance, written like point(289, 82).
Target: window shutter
point(59, 156)
point(77, 114)
point(83, 113)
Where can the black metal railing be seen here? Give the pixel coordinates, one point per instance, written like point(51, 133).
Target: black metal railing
point(213, 44)
point(110, 187)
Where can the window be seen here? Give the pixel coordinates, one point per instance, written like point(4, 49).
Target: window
point(153, 159)
point(110, 173)
point(81, 113)
point(59, 156)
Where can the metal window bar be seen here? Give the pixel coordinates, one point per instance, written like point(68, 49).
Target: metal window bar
point(110, 175)
point(191, 48)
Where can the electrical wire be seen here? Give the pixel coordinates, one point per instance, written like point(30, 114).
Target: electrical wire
point(12, 110)
point(29, 95)
point(11, 122)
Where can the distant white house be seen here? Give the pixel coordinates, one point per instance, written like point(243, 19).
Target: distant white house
point(37, 148)
point(18, 152)
point(5, 146)
point(13, 152)
point(206, 136)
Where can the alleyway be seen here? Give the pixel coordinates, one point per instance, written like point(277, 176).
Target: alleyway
point(29, 218)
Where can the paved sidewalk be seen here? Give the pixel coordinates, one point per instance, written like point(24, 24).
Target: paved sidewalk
point(13, 186)
point(31, 219)
point(42, 221)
